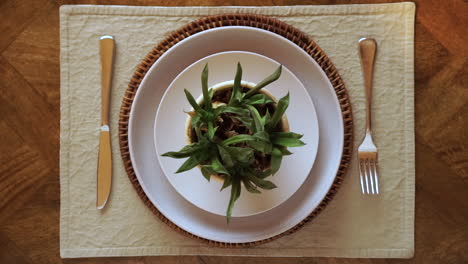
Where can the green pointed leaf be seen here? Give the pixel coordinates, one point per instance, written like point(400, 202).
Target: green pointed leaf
point(262, 142)
point(207, 116)
point(273, 77)
point(227, 182)
point(262, 146)
point(235, 193)
point(176, 155)
point(264, 174)
point(184, 152)
point(195, 122)
point(279, 112)
point(262, 136)
point(242, 155)
point(266, 118)
point(225, 157)
point(206, 93)
point(256, 118)
point(207, 172)
point(237, 139)
point(231, 109)
point(218, 167)
point(211, 130)
point(204, 153)
point(247, 121)
point(288, 142)
point(198, 132)
point(236, 91)
point(192, 101)
point(219, 110)
point(261, 174)
point(261, 183)
point(258, 99)
point(211, 92)
point(285, 151)
point(189, 164)
point(276, 157)
point(286, 135)
point(249, 186)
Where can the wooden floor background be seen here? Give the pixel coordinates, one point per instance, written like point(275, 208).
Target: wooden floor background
point(29, 133)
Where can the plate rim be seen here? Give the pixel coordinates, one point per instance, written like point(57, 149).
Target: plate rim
point(342, 165)
point(315, 128)
point(139, 91)
point(143, 83)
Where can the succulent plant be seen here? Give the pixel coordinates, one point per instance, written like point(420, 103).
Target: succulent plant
point(251, 149)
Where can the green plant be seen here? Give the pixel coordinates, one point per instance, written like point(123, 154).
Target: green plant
point(238, 158)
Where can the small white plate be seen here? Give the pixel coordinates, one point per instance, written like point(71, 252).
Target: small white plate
point(170, 134)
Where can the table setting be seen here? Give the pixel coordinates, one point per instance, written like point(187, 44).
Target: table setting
point(318, 159)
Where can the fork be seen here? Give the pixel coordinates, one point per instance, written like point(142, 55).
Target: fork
point(367, 151)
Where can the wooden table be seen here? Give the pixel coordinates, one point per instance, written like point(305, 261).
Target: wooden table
point(29, 133)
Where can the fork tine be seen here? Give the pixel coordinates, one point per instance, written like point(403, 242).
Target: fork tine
point(361, 176)
point(376, 178)
point(371, 176)
point(366, 173)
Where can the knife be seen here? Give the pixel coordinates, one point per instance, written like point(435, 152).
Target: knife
point(104, 171)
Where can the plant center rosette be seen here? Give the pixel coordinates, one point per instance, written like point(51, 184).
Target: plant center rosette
point(237, 133)
point(230, 124)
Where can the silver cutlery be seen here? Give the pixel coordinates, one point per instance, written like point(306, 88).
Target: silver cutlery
point(367, 151)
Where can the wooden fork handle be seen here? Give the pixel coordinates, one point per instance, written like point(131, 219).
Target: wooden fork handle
point(367, 51)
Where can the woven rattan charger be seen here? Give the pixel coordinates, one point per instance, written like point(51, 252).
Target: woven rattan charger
point(248, 20)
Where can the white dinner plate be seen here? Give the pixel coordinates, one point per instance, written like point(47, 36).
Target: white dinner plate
point(170, 133)
point(174, 206)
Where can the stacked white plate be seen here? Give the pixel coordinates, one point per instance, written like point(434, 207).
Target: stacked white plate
point(157, 124)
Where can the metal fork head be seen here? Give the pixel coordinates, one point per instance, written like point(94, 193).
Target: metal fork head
point(368, 175)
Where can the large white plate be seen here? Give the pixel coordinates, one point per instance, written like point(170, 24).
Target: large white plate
point(170, 134)
point(160, 191)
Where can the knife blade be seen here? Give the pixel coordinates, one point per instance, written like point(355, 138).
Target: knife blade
point(104, 171)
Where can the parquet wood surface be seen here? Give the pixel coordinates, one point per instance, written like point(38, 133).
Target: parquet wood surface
point(29, 133)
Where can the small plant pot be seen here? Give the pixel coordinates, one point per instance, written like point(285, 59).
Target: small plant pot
point(227, 85)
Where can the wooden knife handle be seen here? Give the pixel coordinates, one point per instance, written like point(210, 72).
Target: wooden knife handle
point(104, 172)
point(107, 57)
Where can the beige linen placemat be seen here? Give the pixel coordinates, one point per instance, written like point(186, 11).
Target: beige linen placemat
point(350, 226)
